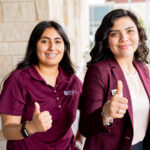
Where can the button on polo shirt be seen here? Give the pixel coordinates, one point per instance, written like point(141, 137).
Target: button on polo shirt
point(57, 98)
point(25, 87)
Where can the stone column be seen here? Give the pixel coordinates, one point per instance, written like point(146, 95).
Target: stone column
point(77, 27)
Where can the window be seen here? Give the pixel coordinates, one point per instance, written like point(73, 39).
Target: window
point(96, 15)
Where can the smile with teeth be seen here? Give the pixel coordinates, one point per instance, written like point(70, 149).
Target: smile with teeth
point(51, 55)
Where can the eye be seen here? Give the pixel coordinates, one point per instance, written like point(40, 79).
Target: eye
point(114, 34)
point(58, 42)
point(130, 31)
point(44, 41)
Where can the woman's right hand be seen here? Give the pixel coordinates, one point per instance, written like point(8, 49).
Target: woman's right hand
point(41, 121)
point(118, 105)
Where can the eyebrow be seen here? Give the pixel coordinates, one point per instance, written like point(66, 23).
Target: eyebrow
point(119, 30)
point(46, 37)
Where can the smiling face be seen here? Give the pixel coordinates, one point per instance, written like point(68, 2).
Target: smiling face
point(123, 38)
point(50, 48)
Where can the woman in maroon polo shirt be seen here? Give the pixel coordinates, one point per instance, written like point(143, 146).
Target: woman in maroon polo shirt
point(116, 91)
point(40, 98)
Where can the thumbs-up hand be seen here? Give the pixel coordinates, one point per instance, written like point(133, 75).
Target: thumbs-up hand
point(118, 105)
point(119, 88)
point(37, 108)
point(41, 121)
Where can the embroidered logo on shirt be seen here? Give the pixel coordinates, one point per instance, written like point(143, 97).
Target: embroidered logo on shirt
point(113, 91)
point(70, 92)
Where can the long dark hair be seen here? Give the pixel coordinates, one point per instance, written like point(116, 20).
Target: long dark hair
point(31, 52)
point(101, 49)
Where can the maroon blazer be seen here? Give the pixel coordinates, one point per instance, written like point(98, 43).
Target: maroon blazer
point(100, 79)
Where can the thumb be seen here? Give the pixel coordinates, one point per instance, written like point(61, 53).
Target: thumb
point(119, 88)
point(37, 108)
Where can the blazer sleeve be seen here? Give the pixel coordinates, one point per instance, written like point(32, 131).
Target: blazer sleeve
point(91, 101)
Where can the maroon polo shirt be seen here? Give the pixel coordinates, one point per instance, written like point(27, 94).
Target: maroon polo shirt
point(23, 88)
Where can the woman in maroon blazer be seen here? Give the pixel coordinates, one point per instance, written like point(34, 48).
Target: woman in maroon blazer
point(116, 91)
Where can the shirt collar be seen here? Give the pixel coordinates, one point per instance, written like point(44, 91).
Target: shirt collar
point(61, 77)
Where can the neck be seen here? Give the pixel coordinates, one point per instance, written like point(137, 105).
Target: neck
point(127, 65)
point(47, 71)
point(49, 74)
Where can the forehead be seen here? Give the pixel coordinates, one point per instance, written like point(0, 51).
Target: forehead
point(123, 23)
point(51, 32)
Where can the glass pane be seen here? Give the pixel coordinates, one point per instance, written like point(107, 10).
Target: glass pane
point(100, 12)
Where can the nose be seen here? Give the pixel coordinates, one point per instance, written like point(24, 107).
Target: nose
point(51, 46)
point(123, 37)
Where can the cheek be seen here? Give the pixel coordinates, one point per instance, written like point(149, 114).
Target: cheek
point(61, 49)
point(111, 42)
point(136, 42)
point(41, 47)
point(40, 51)
point(112, 45)
point(38, 47)
point(136, 39)
point(39, 56)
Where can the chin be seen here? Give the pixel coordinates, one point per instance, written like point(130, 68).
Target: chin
point(53, 65)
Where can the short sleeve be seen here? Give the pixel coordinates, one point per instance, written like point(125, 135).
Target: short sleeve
point(11, 98)
point(80, 84)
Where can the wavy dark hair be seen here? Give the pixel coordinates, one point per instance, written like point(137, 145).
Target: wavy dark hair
point(101, 49)
point(31, 52)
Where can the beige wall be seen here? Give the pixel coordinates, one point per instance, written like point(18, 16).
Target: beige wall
point(18, 18)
